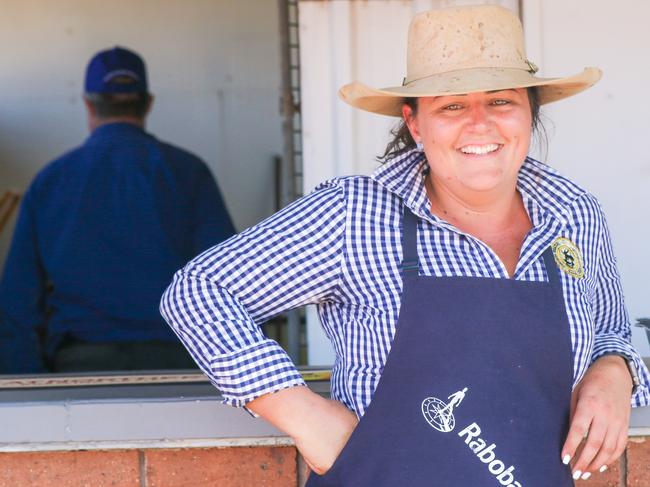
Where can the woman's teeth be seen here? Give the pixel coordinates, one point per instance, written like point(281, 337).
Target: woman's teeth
point(479, 149)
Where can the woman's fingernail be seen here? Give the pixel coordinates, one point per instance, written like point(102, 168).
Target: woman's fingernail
point(577, 474)
point(602, 469)
point(566, 459)
point(585, 476)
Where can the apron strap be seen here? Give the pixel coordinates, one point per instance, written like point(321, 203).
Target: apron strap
point(410, 263)
point(551, 268)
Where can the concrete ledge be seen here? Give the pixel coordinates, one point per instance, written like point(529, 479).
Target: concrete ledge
point(274, 441)
point(144, 416)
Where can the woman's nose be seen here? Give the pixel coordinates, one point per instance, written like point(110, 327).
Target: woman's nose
point(479, 117)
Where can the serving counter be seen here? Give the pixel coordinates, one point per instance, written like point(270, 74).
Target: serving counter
point(171, 429)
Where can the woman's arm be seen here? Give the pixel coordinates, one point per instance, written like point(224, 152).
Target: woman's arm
point(612, 323)
point(320, 427)
point(600, 413)
point(217, 303)
point(602, 400)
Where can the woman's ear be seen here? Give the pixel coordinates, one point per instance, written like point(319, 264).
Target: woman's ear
point(411, 122)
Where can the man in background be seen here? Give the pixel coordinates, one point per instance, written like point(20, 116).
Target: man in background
point(100, 233)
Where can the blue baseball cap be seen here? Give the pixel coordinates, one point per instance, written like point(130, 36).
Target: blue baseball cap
point(116, 70)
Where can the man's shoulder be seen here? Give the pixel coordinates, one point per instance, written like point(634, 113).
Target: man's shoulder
point(135, 139)
point(60, 166)
point(175, 152)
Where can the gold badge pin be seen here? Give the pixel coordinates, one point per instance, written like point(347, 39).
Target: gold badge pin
point(568, 257)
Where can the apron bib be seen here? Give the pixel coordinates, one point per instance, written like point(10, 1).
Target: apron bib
point(476, 389)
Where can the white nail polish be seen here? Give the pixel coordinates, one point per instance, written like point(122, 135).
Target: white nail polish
point(585, 476)
point(566, 459)
point(577, 474)
point(602, 469)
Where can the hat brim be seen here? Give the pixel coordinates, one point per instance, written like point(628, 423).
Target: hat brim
point(389, 101)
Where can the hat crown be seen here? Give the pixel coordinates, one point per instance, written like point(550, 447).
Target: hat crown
point(116, 70)
point(452, 39)
point(465, 50)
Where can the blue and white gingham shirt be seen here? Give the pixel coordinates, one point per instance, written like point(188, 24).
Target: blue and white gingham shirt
point(340, 248)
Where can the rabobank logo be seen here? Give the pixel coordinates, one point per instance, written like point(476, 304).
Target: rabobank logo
point(440, 415)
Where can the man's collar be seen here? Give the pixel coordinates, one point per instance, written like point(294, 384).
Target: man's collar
point(114, 127)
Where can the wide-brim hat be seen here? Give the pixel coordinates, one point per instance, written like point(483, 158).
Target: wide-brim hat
point(464, 50)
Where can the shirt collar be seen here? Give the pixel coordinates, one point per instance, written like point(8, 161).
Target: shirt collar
point(538, 184)
point(116, 127)
point(404, 176)
point(549, 190)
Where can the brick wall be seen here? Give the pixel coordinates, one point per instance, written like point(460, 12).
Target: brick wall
point(632, 469)
point(207, 467)
point(232, 467)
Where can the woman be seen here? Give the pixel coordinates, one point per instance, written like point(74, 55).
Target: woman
point(476, 283)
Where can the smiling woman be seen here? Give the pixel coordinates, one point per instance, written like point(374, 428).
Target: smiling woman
point(462, 284)
point(403, 141)
point(475, 145)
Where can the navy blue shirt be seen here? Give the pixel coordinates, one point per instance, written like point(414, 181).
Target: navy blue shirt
point(100, 233)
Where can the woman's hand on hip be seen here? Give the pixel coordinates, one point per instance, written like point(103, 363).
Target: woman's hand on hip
point(600, 415)
point(320, 427)
point(321, 442)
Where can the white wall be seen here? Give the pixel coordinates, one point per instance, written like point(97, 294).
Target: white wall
point(599, 138)
point(214, 67)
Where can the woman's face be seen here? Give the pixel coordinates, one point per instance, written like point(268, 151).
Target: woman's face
point(475, 142)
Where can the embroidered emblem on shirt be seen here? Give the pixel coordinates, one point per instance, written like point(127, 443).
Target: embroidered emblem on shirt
point(568, 257)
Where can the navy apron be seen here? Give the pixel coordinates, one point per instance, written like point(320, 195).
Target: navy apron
point(476, 389)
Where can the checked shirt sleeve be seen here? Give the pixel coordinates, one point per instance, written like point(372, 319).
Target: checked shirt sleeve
point(218, 301)
point(613, 335)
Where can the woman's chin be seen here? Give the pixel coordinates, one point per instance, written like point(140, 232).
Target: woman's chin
point(486, 183)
